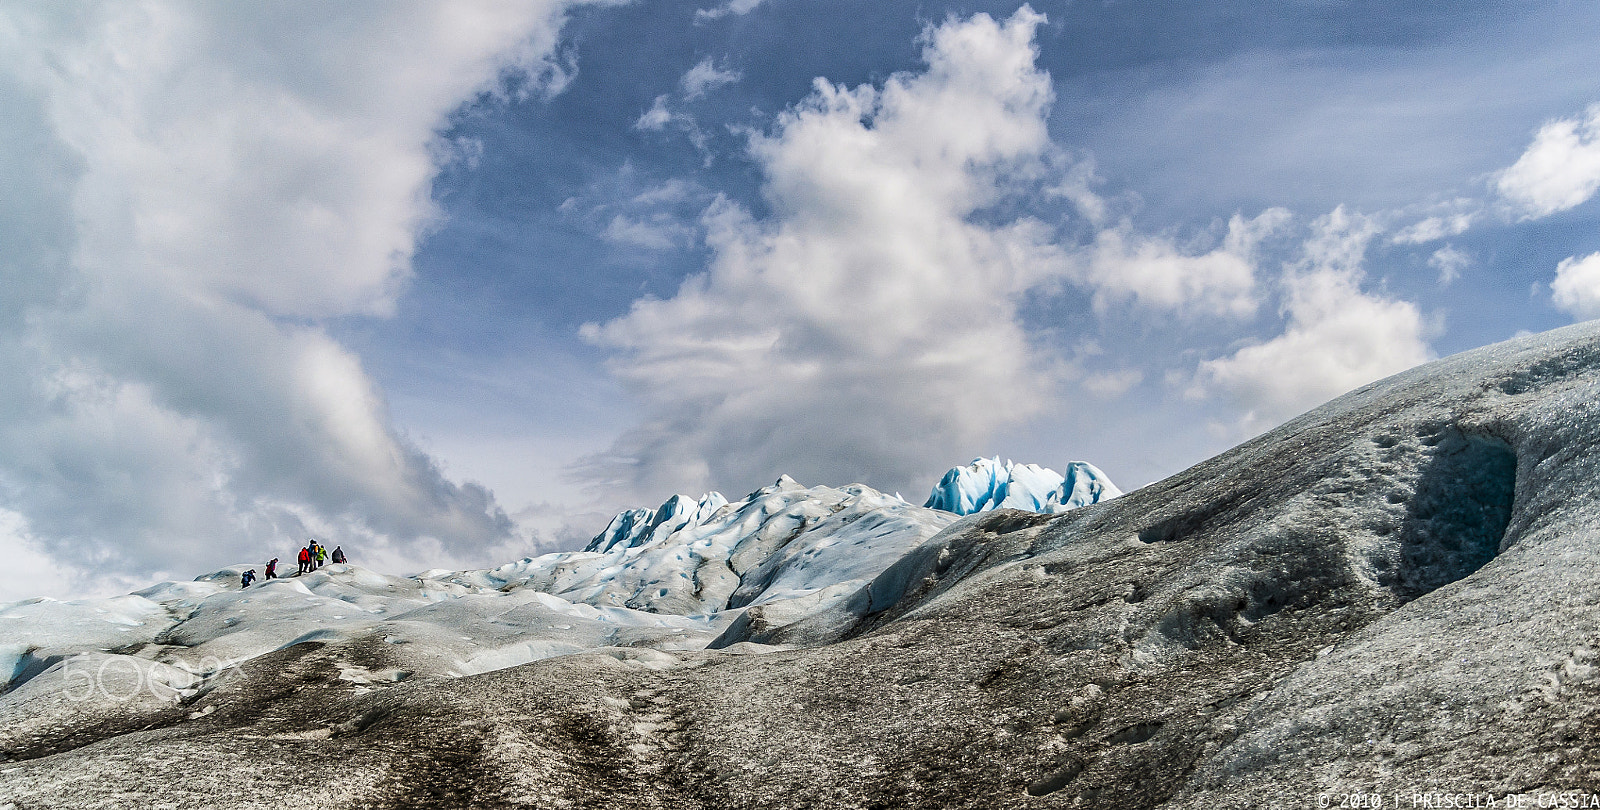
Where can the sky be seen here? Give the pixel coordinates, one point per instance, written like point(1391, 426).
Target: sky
point(451, 284)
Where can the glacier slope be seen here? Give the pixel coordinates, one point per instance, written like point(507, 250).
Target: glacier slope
point(671, 579)
point(788, 551)
point(1398, 592)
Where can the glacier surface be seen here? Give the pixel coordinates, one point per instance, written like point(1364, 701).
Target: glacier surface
point(786, 564)
point(1395, 595)
point(671, 578)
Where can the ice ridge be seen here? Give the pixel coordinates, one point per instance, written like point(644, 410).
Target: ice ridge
point(987, 484)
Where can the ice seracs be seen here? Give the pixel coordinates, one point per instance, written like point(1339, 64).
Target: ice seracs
point(687, 574)
point(671, 578)
point(689, 558)
point(638, 527)
point(987, 484)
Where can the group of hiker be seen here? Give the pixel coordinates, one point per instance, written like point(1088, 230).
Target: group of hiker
point(313, 556)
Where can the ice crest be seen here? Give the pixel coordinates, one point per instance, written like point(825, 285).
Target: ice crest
point(987, 484)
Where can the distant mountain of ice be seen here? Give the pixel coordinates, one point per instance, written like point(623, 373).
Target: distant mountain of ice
point(671, 578)
point(784, 542)
point(987, 484)
point(785, 562)
point(640, 527)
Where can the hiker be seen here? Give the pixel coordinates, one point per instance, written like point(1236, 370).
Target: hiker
point(305, 560)
point(322, 554)
point(338, 555)
point(272, 568)
point(247, 577)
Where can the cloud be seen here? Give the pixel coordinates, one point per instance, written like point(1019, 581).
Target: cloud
point(1112, 384)
point(1449, 262)
point(630, 209)
point(705, 76)
point(661, 232)
point(668, 193)
point(1576, 290)
point(659, 117)
point(28, 571)
point(734, 7)
point(207, 186)
point(1435, 228)
point(1077, 185)
point(868, 328)
point(656, 118)
point(1337, 337)
point(1559, 170)
point(1155, 273)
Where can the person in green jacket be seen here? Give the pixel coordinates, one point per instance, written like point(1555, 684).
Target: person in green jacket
point(322, 555)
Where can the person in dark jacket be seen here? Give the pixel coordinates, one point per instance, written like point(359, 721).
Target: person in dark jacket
point(338, 555)
point(247, 577)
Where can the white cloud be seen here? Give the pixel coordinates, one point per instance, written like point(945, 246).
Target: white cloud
point(27, 571)
point(1155, 273)
point(1449, 262)
point(706, 76)
point(670, 192)
point(206, 184)
point(630, 209)
point(1077, 186)
point(459, 151)
point(1112, 384)
point(660, 116)
point(659, 233)
point(1337, 337)
point(734, 7)
point(1576, 290)
point(1435, 228)
point(1559, 170)
point(656, 118)
point(869, 326)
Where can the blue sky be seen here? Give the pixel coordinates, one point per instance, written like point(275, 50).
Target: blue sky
point(452, 284)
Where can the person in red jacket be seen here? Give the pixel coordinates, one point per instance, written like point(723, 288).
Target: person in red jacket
point(305, 560)
point(272, 569)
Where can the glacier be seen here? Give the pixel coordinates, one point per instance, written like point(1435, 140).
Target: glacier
point(700, 557)
point(1395, 594)
point(987, 484)
point(671, 578)
point(688, 575)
